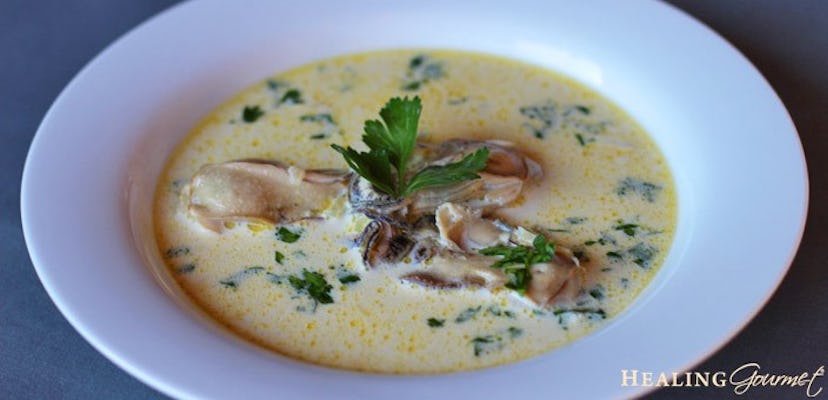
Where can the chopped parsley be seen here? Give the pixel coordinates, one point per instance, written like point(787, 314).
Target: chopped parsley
point(351, 278)
point(391, 144)
point(436, 323)
point(278, 256)
point(541, 119)
point(288, 236)
point(647, 190)
point(251, 113)
point(292, 96)
point(642, 254)
point(320, 135)
point(421, 70)
point(516, 260)
point(233, 281)
point(629, 229)
point(591, 314)
point(322, 117)
point(487, 344)
point(499, 312)
point(467, 314)
point(514, 332)
point(314, 285)
point(583, 141)
point(598, 292)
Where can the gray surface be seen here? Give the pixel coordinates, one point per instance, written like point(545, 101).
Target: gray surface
point(45, 43)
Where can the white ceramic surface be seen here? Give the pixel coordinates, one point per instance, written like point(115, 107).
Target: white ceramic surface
point(91, 170)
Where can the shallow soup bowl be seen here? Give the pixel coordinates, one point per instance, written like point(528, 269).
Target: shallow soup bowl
point(92, 169)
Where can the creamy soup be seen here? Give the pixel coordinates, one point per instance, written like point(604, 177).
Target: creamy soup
point(318, 285)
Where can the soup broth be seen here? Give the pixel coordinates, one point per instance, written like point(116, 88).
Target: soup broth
point(303, 290)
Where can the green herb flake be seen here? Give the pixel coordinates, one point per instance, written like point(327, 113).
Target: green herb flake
point(484, 344)
point(615, 254)
point(499, 312)
point(421, 70)
point(436, 323)
point(642, 254)
point(597, 292)
point(628, 229)
point(292, 96)
point(288, 236)
point(319, 136)
point(514, 332)
point(541, 119)
point(251, 113)
point(647, 190)
point(278, 256)
point(322, 117)
point(349, 279)
point(314, 285)
point(592, 314)
point(233, 281)
point(467, 314)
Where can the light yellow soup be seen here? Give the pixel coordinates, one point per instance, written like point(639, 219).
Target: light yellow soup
point(606, 193)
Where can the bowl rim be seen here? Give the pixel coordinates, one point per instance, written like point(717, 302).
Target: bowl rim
point(37, 174)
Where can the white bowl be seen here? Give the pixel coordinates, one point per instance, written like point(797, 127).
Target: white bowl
point(91, 172)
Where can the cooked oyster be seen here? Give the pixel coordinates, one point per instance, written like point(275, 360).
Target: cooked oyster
point(457, 270)
point(269, 192)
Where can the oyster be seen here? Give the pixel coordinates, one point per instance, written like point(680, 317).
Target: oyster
point(270, 192)
point(456, 270)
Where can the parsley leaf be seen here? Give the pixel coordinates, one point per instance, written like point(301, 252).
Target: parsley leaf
point(292, 96)
point(349, 279)
point(251, 114)
point(314, 284)
point(443, 175)
point(287, 236)
point(436, 323)
point(517, 260)
point(391, 143)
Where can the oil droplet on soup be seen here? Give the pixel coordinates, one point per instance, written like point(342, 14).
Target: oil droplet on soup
point(302, 289)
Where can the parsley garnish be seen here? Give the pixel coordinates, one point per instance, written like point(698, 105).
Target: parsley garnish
point(314, 284)
point(629, 229)
point(278, 256)
point(317, 118)
point(436, 323)
point(517, 260)
point(251, 114)
point(646, 190)
point(292, 96)
point(349, 279)
point(287, 236)
point(467, 314)
point(391, 143)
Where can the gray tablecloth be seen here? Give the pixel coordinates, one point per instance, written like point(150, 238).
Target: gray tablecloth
point(43, 44)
